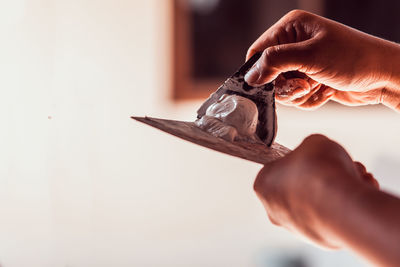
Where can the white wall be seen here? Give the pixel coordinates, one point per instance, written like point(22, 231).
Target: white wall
point(83, 185)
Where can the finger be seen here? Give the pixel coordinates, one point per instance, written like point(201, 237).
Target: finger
point(357, 98)
point(315, 143)
point(318, 99)
point(301, 100)
point(259, 185)
point(360, 167)
point(366, 176)
point(369, 178)
point(288, 29)
point(295, 74)
point(264, 183)
point(289, 97)
point(267, 39)
point(299, 92)
point(264, 41)
point(375, 183)
point(345, 98)
point(287, 90)
point(293, 85)
point(313, 83)
point(272, 220)
point(262, 187)
point(280, 58)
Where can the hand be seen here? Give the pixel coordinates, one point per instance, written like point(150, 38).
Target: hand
point(326, 60)
point(298, 191)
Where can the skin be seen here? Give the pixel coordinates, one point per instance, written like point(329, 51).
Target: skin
point(318, 191)
point(332, 61)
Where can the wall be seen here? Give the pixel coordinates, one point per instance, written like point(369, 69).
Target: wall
point(81, 184)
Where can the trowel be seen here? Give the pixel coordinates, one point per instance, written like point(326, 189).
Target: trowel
point(263, 96)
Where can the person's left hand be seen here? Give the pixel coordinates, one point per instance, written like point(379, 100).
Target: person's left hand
point(299, 190)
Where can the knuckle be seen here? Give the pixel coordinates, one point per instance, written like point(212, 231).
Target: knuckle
point(256, 186)
point(273, 221)
point(320, 144)
point(360, 166)
point(258, 183)
point(297, 13)
point(316, 138)
point(269, 56)
point(376, 183)
point(322, 149)
point(262, 63)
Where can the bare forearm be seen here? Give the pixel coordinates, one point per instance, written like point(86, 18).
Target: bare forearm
point(369, 224)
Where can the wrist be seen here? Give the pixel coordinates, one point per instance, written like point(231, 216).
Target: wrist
point(390, 71)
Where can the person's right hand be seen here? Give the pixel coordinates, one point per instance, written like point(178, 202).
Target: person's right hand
point(321, 59)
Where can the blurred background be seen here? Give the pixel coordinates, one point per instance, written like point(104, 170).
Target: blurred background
point(81, 184)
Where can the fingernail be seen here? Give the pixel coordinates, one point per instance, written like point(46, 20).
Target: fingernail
point(252, 75)
point(299, 92)
point(328, 93)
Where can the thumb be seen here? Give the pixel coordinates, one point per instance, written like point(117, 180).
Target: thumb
point(280, 58)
